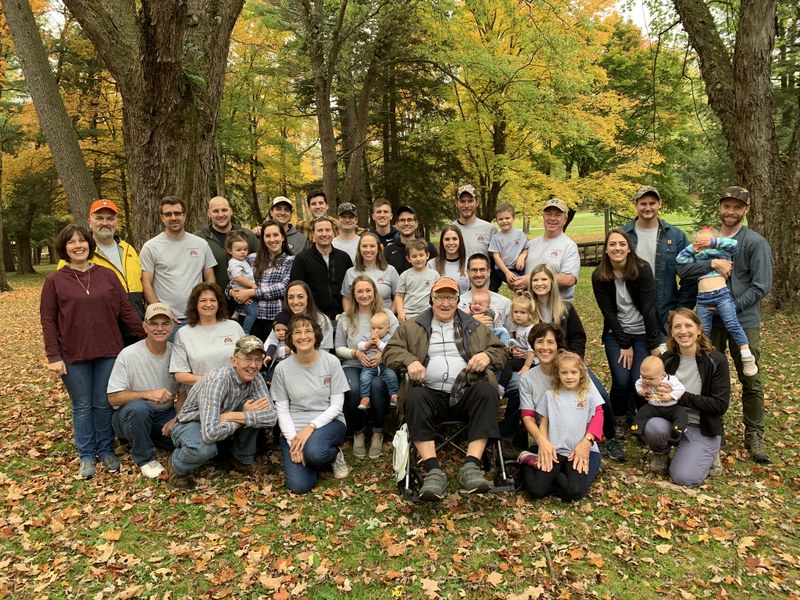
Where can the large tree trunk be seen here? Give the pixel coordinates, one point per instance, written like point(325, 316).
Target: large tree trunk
point(56, 124)
point(740, 94)
point(24, 253)
point(169, 61)
point(4, 287)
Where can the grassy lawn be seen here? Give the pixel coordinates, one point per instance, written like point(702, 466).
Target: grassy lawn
point(635, 536)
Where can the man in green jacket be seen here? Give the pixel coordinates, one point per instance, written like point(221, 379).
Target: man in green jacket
point(450, 359)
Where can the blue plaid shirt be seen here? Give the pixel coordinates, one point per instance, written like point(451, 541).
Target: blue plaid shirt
point(271, 286)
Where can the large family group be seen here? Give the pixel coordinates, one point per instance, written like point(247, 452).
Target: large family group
point(336, 327)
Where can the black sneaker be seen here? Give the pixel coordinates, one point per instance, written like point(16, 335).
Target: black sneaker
point(615, 450)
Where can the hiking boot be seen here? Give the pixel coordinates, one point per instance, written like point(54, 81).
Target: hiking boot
point(340, 470)
point(528, 458)
point(110, 462)
point(359, 448)
point(152, 469)
point(754, 442)
point(87, 468)
point(433, 486)
point(471, 479)
point(376, 445)
point(659, 463)
point(615, 450)
point(716, 468)
point(749, 367)
point(179, 482)
point(239, 467)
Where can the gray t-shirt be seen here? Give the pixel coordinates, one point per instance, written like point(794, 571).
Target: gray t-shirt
point(138, 369)
point(567, 421)
point(416, 285)
point(647, 241)
point(561, 253)
point(177, 266)
point(386, 280)
point(451, 270)
point(476, 236)
point(203, 348)
point(111, 253)
point(689, 376)
point(349, 246)
point(509, 244)
point(346, 339)
point(629, 316)
point(532, 387)
point(239, 268)
point(302, 394)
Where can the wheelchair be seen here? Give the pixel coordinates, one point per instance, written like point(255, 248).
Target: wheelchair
point(507, 471)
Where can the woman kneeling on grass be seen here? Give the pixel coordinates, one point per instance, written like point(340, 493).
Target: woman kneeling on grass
point(706, 375)
point(308, 390)
point(559, 391)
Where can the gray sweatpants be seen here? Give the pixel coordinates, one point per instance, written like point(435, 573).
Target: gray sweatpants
point(693, 457)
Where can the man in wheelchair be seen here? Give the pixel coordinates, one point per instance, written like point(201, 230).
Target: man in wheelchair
point(450, 359)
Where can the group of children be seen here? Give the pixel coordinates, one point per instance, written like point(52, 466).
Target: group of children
point(509, 249)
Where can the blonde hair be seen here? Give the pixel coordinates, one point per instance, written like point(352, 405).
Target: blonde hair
point(525, 301)
point(583, 384)
point(379, 319)
point(353, 309)
point(558, 310)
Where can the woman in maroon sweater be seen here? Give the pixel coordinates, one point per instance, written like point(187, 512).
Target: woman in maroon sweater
point(81, 306)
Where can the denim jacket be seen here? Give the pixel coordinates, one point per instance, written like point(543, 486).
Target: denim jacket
point(671, 240)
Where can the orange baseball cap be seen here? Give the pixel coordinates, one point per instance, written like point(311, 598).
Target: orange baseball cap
point(101, 204)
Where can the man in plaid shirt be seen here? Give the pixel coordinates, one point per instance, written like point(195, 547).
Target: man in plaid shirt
point(229, 402)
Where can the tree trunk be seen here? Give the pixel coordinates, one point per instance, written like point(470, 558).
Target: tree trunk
point(169, 61)
point(24, 253)
point(4, 287)
point(740, 94)
point(8, 254)
point(56, 124)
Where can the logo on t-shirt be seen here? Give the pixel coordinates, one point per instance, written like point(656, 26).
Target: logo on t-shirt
point(481, 238)
point(193, 253)
point(380, 280)
point(326, 380)
point(554, 253)
point(227, 339)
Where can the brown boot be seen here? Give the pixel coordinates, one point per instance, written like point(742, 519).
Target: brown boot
point(179, 482)
point(754, 442)
point(240, 467)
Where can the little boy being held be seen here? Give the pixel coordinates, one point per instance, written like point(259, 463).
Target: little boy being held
point(508, 248)
point(481, 305)
point(713, 294)
point(241, 275)
point(413, 293)
point(659, 404)
point(275, 345)
point(372, 344)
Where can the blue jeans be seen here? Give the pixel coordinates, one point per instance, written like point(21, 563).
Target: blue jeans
point(249, 312)
point(722, 300)
point(140, 424)
point(502, 334)
point(378, 406)
point(624, 398)
point(192, 452)
point(369, 373)
point(87, 384)
point(320, 450)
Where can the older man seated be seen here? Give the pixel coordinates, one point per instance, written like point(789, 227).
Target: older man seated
point(450, 359)
point(228, 402)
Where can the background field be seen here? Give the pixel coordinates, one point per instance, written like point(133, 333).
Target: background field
point(635, 536)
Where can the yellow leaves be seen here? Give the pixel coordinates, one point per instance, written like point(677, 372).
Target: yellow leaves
point(111, 535)
point(663, 548)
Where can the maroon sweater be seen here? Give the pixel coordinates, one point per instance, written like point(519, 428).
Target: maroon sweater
point(78, 326)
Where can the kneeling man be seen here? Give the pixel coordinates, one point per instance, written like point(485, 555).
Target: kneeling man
point(450, 359)
point(142, 391)
point(229, 402)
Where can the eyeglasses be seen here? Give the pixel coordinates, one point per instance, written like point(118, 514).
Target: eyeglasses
point(302, 331)
point(256, 360)
point(160, 324)
point(174, 213)
point(478, 270)
point(445, 298)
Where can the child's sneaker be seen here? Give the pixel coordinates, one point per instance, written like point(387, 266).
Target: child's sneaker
point(364, 405)
point(393, 401)
point(749, 367)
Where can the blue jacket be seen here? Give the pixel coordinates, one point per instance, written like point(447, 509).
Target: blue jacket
point(670, 241)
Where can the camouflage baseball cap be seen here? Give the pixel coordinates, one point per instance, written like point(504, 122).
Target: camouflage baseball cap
point(466, 189)
point(248, 344)
point(737, 193)
point(644, 191)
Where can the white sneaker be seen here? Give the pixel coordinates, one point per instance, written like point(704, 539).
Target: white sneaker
point(749, 367)
point(152, 469)
point(340, 470)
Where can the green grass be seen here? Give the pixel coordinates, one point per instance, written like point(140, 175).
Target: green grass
point(635, 536)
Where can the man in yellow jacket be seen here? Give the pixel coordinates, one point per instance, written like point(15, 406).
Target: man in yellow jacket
point(117, 255)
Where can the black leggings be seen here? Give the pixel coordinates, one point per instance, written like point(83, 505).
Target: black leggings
point(563, 480)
